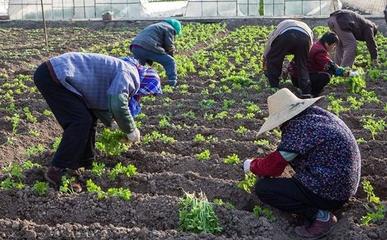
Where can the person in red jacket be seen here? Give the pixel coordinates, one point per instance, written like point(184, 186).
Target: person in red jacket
point(320, 65)
point(324, 155)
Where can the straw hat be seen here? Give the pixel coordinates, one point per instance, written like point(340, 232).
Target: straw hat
point(283, 106)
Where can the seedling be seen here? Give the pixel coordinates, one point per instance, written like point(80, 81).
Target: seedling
point(40, 188)
point(189, 115)
point(47, 113)
point(373, 125)
point(207, 103)
point(262, 211)
point(199, 138)
point(15, 120)
point(94, 188)
point(164, 122)
point(66, 185)
point(232, 159)
point(156, 136)
point(335, 105)
point(167, 89)
point(119, 169)
point(110, 142)
point(242, 130)
point(30, 117)
point(220, 202)
point(248, 182)
point(253, 108)
point(376, 209)
point(227, 103)
point(56, 143)
point(196, 214)
point(98, 169)
point(361, 141)
point(202, 156)
point(35, 150)
point(124, 194)
point(261, 142)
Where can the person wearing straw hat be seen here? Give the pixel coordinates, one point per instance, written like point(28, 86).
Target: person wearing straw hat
point(156, 44)
point(322, 151)
point(83, 87)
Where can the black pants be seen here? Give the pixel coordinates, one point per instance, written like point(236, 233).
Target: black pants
point(318, 81)
point(290, 42)
point(288, 194)
point(77, 147)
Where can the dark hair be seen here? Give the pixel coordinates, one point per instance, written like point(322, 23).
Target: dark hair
point(329, 38)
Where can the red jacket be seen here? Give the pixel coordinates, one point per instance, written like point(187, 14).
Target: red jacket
point(318, 59)
point(270, 166)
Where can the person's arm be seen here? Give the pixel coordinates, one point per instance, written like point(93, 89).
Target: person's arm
point(273, 164)
point(169, 42)
point(333, 69)
point(122, 87)
point(118, 105)
point(370, 41)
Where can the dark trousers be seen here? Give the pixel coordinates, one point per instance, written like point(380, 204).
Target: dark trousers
point(318, 81)
point(77, 147)
point(290, 42)
point(288, 194)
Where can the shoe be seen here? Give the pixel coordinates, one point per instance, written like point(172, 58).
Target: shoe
point(317, 229)
point(54, 175)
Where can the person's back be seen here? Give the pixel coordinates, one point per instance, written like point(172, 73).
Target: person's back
point(329, 158)
point(355, 23)
point(157, 37)
point(95, 76)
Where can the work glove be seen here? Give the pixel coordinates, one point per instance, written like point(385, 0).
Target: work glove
point(134, 136)
point(353, 74)
point(246, 165)
point(172, 83)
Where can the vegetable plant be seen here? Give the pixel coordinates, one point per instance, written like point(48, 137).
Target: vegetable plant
point(119, 169)
point(97, 169)
point(40, 188)
point(66, 186)
point(156, 136)
point(232, 159)
point(110, 142)
point(374, 126)
point(375, 209)
point(248, 182)
point(122, 193)
point(204, 155)
point(220, 202)
point(242, 130)
point(263, 211)
point(196, 214)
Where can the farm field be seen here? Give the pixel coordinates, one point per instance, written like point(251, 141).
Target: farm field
point(195, 138)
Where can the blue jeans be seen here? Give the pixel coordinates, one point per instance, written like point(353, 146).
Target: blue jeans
point(167, 61)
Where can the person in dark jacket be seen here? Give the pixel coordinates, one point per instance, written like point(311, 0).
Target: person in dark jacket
point(156, 44)
point(351, 27)
point(324, 155)
point(320, 65)
point(80, 88)
point(289, 37)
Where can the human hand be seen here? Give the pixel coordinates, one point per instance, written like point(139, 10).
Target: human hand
point(134, 136)
point(172, 83)
point(246, 165)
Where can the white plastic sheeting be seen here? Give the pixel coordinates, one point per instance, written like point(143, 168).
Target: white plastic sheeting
point(372, 7)
point(93, 9)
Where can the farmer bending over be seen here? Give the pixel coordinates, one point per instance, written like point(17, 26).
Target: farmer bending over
point(320, 65)
point(289, 37)
point(324, 155)
point(156, 44)
point(81, 87)
point(349, 27)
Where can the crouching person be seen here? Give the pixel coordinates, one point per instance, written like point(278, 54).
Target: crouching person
point(320, 65)
point(324, 155)
point(289, 37)
point(156, 44)
point(79, 88)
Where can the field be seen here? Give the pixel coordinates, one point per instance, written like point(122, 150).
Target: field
point(194, 139)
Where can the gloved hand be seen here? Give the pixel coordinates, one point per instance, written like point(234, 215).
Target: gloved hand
point(172, 83)
point(134, 136)
point(246, 165)
point(353, 74)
